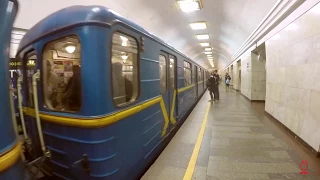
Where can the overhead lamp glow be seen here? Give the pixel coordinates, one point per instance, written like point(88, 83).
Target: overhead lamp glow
point(208, 49)
point(189, 5)
point(205, 44)
point(209, 55)
point(124, 43)
point(198, 25)
point(70, 49)
point(202, 36)
point(124, 57)
point(208, 52)
point(123, 38)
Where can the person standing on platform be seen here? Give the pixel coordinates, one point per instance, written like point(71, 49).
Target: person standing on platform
point(216, 85)
point(227, 80)
point(211, 86)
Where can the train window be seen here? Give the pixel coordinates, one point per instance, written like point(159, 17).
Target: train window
point(61, 64)
point(172, 71)
point(200, 75)
point(163, 73)
point(124, 60)
point(194, 77)
point(187, 73)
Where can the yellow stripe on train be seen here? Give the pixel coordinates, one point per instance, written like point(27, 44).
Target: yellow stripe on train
point(9, 158)
point(98, 122)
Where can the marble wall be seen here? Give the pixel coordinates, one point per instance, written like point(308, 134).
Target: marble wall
point(293, 70)
point(258, 84)
point(235, 76)
point(253, 76)
point(246, 74)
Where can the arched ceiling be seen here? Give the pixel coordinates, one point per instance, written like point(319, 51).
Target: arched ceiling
point(230, 22)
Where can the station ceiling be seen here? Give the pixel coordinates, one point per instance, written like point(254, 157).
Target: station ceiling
point(229, 22)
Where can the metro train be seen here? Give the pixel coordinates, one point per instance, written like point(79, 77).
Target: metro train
point(100, 96)
point(11, 166)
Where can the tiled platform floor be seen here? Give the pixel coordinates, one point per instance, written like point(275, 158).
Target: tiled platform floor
point(240, 143)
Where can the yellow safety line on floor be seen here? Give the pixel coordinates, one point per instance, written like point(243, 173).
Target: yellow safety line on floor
point(195, 153)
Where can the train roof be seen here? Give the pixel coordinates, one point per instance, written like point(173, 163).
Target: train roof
point(79, 14)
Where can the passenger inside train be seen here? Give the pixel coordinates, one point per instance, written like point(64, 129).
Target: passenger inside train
point(62, 85)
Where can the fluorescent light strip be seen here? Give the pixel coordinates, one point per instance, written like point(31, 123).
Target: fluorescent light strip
point(198, 25)
point(202, 36)
point(208, 52)
point(205, 44)
point(189, 6)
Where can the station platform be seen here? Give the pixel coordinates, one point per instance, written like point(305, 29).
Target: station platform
point(232, 139)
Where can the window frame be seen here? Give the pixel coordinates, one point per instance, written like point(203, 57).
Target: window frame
point(138, 67)
point(51, 39)
point(166, 73)
point(26, 56)
point(191, 77)
point(174, 72)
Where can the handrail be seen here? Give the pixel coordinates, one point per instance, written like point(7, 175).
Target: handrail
point(35, 78)
point(185, 88)
point(14, 119)
point(19, 86)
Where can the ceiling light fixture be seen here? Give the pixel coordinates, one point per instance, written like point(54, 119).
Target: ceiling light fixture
point(208, 49)
point(209, 55)
point(208, 52)
point(70, 49)
point(202, 36)
point(189, 5)
point(198, 25)
point(205, 44)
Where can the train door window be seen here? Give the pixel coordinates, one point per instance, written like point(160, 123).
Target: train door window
point(187, 73)
point(163, 73)
point(30, 64)
point(125, 83)
point(61, 64)
point(195, 73)
point(172, 71)
point(200, 75)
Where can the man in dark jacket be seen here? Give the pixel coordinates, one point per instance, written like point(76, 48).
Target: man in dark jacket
point(216, 85)
point(211, 86)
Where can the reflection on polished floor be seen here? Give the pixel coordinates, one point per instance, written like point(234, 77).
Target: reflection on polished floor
point(240, 142)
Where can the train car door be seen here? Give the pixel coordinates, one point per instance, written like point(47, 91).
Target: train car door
point(167, 66)
point(195, 80)
point(30, 63)
point(173, 93)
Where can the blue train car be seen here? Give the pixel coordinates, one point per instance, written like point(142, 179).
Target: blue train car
point(10, 148)
point(105, 96)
